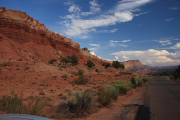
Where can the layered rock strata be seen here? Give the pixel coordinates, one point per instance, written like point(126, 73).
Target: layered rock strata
point(22, 28)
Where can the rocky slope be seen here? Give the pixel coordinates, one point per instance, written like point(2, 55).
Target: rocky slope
point(23, 37)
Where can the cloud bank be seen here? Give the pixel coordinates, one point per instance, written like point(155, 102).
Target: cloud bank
point(122, 12)
point(152, 57)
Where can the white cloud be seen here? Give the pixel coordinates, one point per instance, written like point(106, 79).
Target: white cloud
point(174, 8)
point(176, 39)
point(74, 8)
point(123, 12)
point(112, 44)
point(108, 31)
point(114, 41)
point(175, 56)
point(131, 4)
point(164, 42)
point(84, 37)
point(116, 57)
point(177, 46)
point(94, 44)
point(169, 19)
point(94, 8)
point(123, 45)
point(125, 40)
point(150, 57)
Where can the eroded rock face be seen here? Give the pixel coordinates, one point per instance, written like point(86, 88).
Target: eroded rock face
point(134, 65)
point(22, 28)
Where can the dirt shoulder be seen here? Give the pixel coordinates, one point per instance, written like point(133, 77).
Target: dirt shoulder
point(125, 108)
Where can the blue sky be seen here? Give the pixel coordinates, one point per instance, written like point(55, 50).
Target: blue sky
point(147, 30)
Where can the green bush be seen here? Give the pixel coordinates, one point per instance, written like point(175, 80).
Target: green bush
point(74, 59)
point(106, 65)
point(104, 96)
point(123, 86)
point(81, 103)
point(65, 59)
point(14, 104)
point(107, 94)
point(146, 79)
point(64, 76)
point(137, 82)
point(117, 65)
point(20, 59)
point(52, 61)
point(121, 89)
point(134, 82)
point(97, 70)
point(81, 80)
point(90, 64)
point(114, 92)
point(140, 82)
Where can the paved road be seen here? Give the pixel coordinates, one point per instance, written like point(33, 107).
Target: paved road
point(162, 100)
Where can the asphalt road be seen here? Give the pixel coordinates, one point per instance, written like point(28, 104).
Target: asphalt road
point(162, 101)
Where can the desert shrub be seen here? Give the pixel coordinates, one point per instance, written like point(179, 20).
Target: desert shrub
point(137, 82)
point(52, 61)
point(134, 82)
point(81, 72)
point(146, 79)
point(65, 59)
point(106, 65)
point(140, 82)
point(64, 76)
point(104, 96)
point(122, 89)
point(97, 70)
point(117, 64)
point(20, 59)
point(90, 64)
point(81, 80)
point(123, 86)
point(81, 103)
point(74, 59)
point(36, 105)
point(14, 104)
point(114, 92)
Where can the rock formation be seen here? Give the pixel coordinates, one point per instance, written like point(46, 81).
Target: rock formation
point(23, 37)
point(134, 65)
point(22, 28)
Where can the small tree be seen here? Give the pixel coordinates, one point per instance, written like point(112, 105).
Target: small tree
point(106, 65)
point(117, 65)
point(90, 64)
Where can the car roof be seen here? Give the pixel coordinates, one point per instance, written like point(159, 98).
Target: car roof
point(21, 117)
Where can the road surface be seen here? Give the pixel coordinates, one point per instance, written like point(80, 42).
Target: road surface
point(162, 101)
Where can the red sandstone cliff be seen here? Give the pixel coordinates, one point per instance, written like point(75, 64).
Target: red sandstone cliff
point(23, 37)
point(134, 65)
